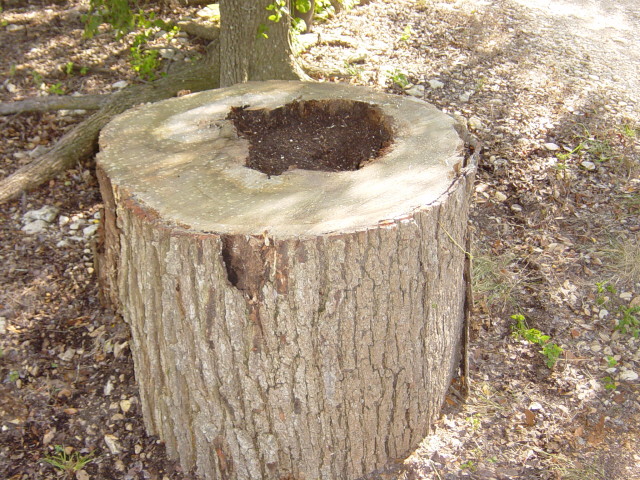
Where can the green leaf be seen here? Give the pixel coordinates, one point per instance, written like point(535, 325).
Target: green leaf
point(303, 6)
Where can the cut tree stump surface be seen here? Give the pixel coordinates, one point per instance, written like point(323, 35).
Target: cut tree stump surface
point(182, 158)
point(287, 322)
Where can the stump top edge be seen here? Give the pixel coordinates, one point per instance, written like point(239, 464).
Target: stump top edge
point(183, 160)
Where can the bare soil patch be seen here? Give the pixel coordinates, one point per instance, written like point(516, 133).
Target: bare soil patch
point(332, 136)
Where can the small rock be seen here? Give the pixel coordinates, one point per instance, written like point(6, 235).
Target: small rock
point(603, 313)
point(47, 214)
point(416, 91)
point(465, 96)
point(357, 57)
point(62, 244)
point(67, 355)
point(35, 227)
point(76, 224)
point(112, 444)
point(125, 405)
point(120, 85)
point(635, 302)
point(626, 296)
point(108, 388)
point(90, 230)
point(628, 375)
point(11, 88)
point(499, 196)
point(48, 437)
point(552, 147)
point(211, 12)
point(516, 208)
point(535, 406)
point(474, 123)
point(590, 166)
point(82, 475)
point(436, 84)
point(167, 53)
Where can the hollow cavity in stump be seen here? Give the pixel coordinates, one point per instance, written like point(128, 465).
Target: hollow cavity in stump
point(327, 135)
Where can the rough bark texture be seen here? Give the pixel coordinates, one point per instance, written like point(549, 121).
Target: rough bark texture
point(244, 54)
point(289, 356)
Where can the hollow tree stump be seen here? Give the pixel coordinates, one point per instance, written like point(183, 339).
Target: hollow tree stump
point(299, 317)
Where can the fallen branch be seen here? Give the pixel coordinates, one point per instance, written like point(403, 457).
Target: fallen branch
point(81, 142)
point(53, 103)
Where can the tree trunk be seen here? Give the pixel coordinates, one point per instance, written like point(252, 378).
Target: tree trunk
point(303, 325)
point(246, 55)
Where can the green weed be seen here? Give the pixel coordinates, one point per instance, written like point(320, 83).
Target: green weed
point(468, 465)
point(399, 78)
point(629, 130)
point(609, 383)
point(406, 34)
point(550, 351)
point(629, 321)
point(67, 462)
point(37, 79)
point(56, 89)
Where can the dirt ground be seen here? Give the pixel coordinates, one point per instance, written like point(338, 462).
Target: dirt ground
point(552, 91)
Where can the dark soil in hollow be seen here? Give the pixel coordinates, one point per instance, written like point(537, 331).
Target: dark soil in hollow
point(327, 135)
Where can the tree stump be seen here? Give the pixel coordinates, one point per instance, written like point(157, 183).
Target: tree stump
point(290, 259)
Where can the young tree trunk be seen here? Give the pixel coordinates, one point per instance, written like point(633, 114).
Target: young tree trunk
point(245, 54)
point(301, 326)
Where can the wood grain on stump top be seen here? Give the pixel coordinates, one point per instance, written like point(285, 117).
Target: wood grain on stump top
point(184, 159)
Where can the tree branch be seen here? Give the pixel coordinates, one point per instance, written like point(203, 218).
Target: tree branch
point(53, 103)
point(82, 141)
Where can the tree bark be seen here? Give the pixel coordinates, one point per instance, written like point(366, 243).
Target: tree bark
point(304, 326)
point(245, 55)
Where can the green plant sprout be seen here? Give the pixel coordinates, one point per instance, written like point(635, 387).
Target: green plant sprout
point(550, 351)
point(399, 78)
point(67, 462)
point(37, 79)
point(406, 34)
point(56, 89)
point(629, 321)
point(630, 131)
point(468, 465)
point(609, 383)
